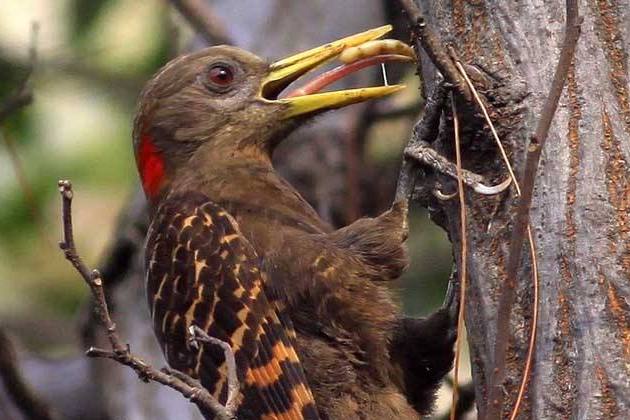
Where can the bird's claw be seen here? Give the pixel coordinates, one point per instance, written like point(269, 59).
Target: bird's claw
point(424, 153)
point(478, 188)
point(493, 189)
point(442, 196)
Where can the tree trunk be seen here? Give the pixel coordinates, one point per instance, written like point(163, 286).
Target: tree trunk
point(581, 208)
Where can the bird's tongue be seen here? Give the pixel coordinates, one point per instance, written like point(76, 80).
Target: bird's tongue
point(331, 76)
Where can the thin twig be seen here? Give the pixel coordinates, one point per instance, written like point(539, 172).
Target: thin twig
point(200, 16)
point(23, 95)
point(434, 47)
point(532, 336)
point(15, 102)
point(572, 33)
point(233, 384)
point(189, 388)
point(464, 258)
point(23, 182)
point(506, 160)
point(21, 394)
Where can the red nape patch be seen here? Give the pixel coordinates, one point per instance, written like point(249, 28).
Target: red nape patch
point(151, 166)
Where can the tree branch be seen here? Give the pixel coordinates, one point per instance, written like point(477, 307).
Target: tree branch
point(572, 33)
point(21, 98)
point(23, 95)
point(29, 404)
point(121, 353)
point(434, 47)
point(199, 335)
point(203, 20)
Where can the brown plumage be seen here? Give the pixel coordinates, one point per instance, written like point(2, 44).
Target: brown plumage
point(235, 250)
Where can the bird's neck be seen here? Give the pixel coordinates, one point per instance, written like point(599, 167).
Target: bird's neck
point(248, 187)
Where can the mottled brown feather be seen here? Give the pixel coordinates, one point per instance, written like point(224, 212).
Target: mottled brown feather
point(202, 271)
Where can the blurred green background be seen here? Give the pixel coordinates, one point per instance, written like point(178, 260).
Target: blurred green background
point(92, 59)
point(93, 56)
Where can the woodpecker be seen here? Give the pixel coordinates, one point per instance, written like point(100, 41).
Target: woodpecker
point(236, 251)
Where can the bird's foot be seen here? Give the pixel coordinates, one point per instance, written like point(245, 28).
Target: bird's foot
point(423, 152)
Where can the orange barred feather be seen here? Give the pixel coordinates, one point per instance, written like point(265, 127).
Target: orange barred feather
point(202, 271)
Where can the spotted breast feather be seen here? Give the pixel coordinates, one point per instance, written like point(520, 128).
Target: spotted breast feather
point(201, 271)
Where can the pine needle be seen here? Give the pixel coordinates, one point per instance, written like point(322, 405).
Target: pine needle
point(489, 121)
point(464, 257)
point(532, 337)
point(535, 279)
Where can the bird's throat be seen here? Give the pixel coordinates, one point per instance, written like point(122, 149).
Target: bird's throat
point(151, 166)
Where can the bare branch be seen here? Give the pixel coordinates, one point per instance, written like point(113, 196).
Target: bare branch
point(21, 98)
point(188, 387)
point(23, 95)
point(30, 405)
point(200, 16)
point(434, 47)
point(197, 334)
point(572, 33)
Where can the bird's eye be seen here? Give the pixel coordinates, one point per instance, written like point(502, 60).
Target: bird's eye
point(220, 76)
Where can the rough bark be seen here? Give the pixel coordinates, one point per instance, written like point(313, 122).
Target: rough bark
point(581, 208)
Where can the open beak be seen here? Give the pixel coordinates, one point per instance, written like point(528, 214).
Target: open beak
point(308, 100)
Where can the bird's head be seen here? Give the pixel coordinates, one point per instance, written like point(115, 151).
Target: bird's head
point(223, 103)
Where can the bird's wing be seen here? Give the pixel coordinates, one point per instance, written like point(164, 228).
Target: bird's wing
point(202, 271)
